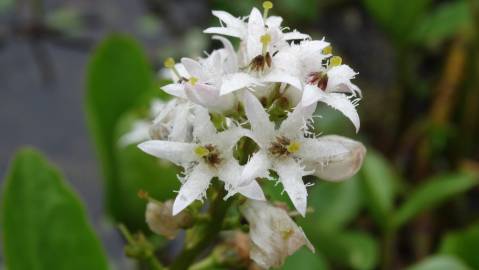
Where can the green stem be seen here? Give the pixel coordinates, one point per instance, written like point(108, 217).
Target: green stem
point(205, 264)
point(217, 211)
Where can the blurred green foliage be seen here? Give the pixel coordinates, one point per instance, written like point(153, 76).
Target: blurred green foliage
point(44, 223)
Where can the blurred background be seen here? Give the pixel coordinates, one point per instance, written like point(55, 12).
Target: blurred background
point(416, 199)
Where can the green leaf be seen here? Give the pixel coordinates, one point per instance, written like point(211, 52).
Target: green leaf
point(334, 204)
point(464, 245)
point(432, 193)
point(355, 250)
point(440, 262)
point(118, 76)
point(398, 17)
point(305, 259)
point(443, 22)
point(378, 182)
point(44, 224)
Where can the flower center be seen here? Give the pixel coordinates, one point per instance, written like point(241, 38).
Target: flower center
point(262, 61)
point(320, 79)
point(284, 147)
point(209, 153)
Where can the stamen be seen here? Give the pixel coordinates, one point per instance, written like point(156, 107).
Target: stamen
point(265, 40)
point(202, 151)
point(193, 81)
point(267, 5)
point(293, 147)
point(327, 50)
point(170, 64)
point(335, 61)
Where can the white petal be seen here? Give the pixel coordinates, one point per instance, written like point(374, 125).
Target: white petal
point(208, 96)
point(196, 184)
point(175, 89)
point(256, 29)
point(339, 80)
point(291, 176)
point(228, 138)
point(274, 235)
point(223, 31)
point(333, 158)
point(231, 62)
point(236, 81)
point(193, 67)
point(252, 191)
point(263, 129)
point(229, 173)
point(203, 128)
point(274, 21)
point(180, 127)
point(177, 152)
point(338, 101)
point(138, 133)
point(257, 167)
point(292, 126)
point(295, 35)
point(282, 77)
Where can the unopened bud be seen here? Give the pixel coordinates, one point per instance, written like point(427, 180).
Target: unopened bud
point(161, 220)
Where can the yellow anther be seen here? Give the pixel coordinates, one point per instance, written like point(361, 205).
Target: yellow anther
point(169, 62)
point(328, 50)
point(193, 80)
point(201, 151)
point(293, 147)
point(267, 5)
point(335, 61)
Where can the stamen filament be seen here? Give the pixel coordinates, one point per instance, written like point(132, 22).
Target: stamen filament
point(170, 64)
point(267, 5)
point(265, 40)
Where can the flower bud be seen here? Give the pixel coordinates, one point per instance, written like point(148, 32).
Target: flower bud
point(343, 166)
point(274, 235)
point(161, 220)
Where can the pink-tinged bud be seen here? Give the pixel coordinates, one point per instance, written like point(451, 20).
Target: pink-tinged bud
point(161, 221)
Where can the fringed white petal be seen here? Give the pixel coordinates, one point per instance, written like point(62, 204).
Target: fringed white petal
point(193, 67)
point(257, 167)
point(291, 176)
point(263, 129)
point(194, 187)
point(256, 29)
point(237, 81)
point(338, 101)
point(177, 152)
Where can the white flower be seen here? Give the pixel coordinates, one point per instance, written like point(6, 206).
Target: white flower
point(174, 122)
point(274, 235)
point(261, 50)
point(161, 221)
point(140, 130)
point(287, 151)
point(211, 155)
point(326, 79)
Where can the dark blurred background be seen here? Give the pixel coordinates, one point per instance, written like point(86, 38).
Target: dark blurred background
point(418, 69)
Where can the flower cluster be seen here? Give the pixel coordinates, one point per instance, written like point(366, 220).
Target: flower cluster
point(245, 115)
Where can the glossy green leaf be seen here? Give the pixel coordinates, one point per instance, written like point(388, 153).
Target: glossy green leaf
point(44, 224)
point(464, 245)
point(378, 182)
point(432, 193)
point(304, 259)
point(334, 204)
point(118, 76)
point(440, 262)
point(443, 22)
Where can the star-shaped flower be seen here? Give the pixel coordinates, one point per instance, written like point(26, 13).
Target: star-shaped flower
point(292, 154)
point(211, 155)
